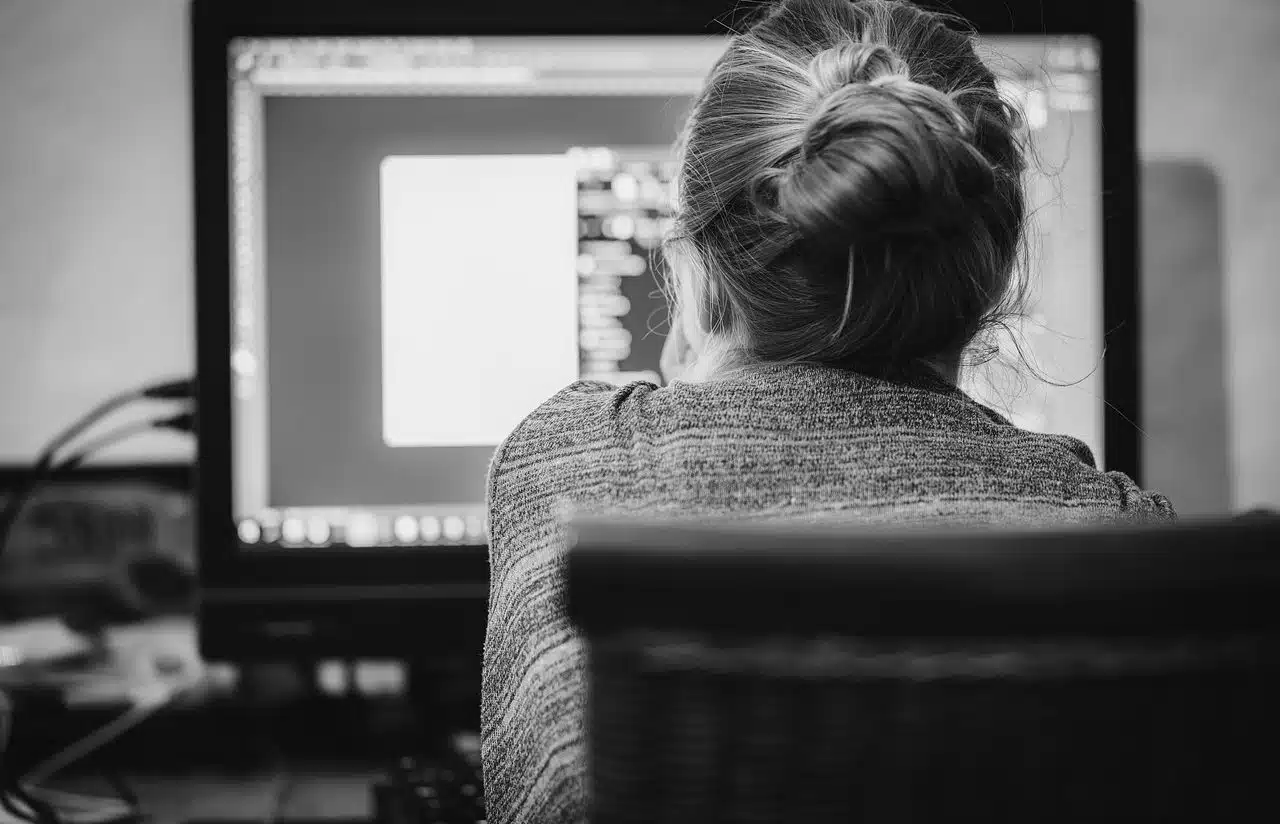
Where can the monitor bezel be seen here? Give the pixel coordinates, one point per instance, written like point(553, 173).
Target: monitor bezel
point(246, 594)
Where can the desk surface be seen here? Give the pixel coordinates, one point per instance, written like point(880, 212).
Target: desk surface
point(312, 792)
point(199, 733)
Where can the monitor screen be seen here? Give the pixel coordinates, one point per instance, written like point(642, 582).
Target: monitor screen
point(432, 236)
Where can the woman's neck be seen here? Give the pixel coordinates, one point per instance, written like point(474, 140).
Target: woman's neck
point(948, 368)
point(718, 358)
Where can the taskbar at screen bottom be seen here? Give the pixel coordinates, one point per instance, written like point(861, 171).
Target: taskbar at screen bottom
point(320, 527)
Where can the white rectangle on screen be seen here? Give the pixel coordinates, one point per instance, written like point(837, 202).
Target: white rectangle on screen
point(479, 294)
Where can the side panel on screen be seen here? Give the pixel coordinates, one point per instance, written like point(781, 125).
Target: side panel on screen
point(479, 294)
point(1187, 445)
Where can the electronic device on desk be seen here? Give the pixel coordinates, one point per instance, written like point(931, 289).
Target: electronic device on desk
point(414, 793)
point(90, 541)
point(414, 224)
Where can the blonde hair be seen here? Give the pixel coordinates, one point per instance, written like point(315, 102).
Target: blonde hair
point(850, 191)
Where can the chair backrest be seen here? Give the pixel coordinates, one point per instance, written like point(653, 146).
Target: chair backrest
point(785, 672)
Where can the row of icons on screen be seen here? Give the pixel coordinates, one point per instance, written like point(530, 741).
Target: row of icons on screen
point(363, 529)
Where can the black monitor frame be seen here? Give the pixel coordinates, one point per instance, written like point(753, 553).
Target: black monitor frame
point(402, 603)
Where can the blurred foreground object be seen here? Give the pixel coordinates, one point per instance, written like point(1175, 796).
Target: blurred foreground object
point(805, 674)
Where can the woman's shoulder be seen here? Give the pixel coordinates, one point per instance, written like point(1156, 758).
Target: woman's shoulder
point(1141, 504)
point(583, 436)
point(584, 413)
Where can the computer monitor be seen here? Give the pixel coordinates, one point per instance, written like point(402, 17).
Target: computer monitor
point(414, 225)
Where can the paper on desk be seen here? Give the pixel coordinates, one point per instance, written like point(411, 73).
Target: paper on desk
point(40, 641)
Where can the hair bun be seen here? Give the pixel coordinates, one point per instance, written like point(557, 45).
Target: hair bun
point(882, 155)
point(853, 62)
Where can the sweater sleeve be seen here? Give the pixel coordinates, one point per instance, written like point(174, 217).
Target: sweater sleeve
point(555, 416)
point(531, 741)
point(1141, 505)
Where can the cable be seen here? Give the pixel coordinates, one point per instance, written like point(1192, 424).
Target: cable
point(99, 737)
point(25, 801)
point(80, 426)
point(109, 438)
point(39, 805)
point(182, 422)
point(73, 802)
point(78, 808)
point(280, 797)
point(13, 800)
point(179, 390)
point(18, 803)
point(124, 791)
point(169, 390)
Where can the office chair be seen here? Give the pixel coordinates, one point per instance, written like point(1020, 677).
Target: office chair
point(776, 674)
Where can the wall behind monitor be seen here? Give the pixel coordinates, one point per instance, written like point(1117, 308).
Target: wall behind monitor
point(95, 212)
point(1208, 132)
point(95, 229)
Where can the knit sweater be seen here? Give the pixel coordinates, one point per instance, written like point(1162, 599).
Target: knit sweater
point(802, 442)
